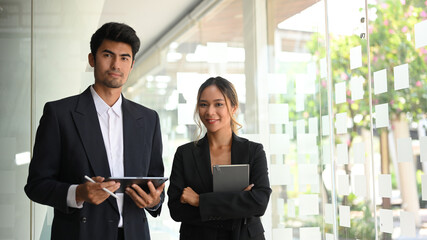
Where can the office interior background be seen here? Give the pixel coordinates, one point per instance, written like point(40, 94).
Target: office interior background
point(335, 90)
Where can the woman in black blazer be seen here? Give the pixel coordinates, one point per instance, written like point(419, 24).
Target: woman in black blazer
point(205, 214)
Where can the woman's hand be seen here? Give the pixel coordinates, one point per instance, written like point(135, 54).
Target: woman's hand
point(189, 196)
point(248, 188)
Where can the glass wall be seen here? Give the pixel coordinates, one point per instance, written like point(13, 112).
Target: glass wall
point(333, 89)
point(15, 117)
point(344, 138)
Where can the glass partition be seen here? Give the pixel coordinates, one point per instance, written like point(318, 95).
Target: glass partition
point(213, 46)
point(334, 89)
point(15, 117)
point(398, 67)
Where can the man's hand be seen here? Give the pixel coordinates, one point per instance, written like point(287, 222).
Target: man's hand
point(141, 198)
point(190, 196)
point(93, 193)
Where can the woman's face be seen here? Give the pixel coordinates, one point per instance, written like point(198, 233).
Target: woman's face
point(213, 110)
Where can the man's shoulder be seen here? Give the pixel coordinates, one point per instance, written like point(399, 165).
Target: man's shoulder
point(138, 108)
point(64, 102)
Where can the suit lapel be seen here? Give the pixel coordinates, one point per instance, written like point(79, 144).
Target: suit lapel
point(87, 123)
point(202, 161)
point(134, 141)
point(239, 151)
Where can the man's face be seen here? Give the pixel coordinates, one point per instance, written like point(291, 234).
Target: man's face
point(112, 64)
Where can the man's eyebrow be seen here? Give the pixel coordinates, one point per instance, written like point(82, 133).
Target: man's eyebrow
point(123, 55)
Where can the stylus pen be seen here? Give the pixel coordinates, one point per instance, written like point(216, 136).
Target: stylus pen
point(108, 191)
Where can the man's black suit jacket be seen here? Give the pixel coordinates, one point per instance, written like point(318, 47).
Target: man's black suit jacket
point(69, 145)
point(236, 211)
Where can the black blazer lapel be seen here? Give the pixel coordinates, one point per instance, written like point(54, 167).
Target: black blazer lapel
point(202, 161)
point(87, 124)
point(239, 151)
point(133, 140)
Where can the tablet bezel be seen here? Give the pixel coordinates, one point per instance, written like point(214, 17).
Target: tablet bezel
point(140, 181)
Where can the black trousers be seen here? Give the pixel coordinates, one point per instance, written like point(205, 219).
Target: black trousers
point(120, 234)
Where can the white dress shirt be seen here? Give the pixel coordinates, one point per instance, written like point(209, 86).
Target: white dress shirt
point(111, 122)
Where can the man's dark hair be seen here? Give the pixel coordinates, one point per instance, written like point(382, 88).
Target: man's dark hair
point(118, 32)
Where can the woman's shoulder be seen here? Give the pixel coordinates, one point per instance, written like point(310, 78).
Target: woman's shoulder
point(187, 146)
point(250, 143)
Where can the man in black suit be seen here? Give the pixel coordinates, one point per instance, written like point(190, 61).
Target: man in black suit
point(100, 134)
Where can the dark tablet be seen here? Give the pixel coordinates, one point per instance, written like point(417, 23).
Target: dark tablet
point(229, 178)
point(141, 181)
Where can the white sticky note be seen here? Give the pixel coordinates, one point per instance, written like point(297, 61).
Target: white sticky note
point(329, 213)
point(329, 236)
point(278, 113)
point(291, 208)
point(356, 57)
point(282, 233)
point(386, 220)
point(342, 154)
point(384, 185)
point(356, 88)
point(360, 186)
point(280, 203)
point(326, 150)
point(420, 30)
point(340, 92)
point(343, 184)
point(280, 174)
point(290, 130)
point(306, 143)
point(310, 233)
point(401, 77)
point(341, 123)
point(359, 152)
point(314, 157)
point(314, 188)
point(185, 114)
point(300, 126)
point(302, 158)
point(305, 82)
point(279, 144)
point(307, 174)
point(423, 149)
point(380, 81)
point(313, 126)
point(381, 115)
point(424, 187)
point(300, 81)
point(344, 216)
point(323, 71)
point(407, 224)
point(308, 204)
point(404, 150)
point(310, 85)
point(325, 125)
point(277, 83)
point(299, 101)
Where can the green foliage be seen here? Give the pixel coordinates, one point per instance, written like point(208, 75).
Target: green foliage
point(391, 36)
